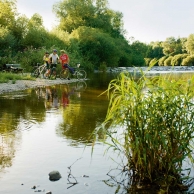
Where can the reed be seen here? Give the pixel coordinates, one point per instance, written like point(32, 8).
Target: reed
point(156, 124)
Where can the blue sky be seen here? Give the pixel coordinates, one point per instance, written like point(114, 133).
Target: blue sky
point(145, 20)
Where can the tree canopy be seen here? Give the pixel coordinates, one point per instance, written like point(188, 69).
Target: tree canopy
point(90, 32)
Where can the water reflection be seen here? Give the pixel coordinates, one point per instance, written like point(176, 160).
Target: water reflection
point(78, 104)
point(45, 128)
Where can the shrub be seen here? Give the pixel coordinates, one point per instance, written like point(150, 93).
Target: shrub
point(177, 59)
point(161, 60)
point(188, 61)
point(167, 62)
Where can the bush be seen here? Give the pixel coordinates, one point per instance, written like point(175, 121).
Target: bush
point(167, 62)
point(177, 59)
point(188, 61)
point(161, 60)
point(147, 61)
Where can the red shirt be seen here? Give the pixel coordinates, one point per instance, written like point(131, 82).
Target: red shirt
point(64, 58)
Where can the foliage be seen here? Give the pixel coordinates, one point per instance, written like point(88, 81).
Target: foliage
point(153, 62)
point(177, 59)
point(147, 61)
point(168, 60)
point(96, 46)
point(7, 40)
point(188, 61)
point(88, 13)
point(6, 77)
point(103, 67)
point(89, 31)
point(190, 44)
point(7, 12)
point(172, 46)
point(161, 60)
point(154, 50)
point(150, 121)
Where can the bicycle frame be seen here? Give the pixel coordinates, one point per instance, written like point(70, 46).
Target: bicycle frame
point(41, 68)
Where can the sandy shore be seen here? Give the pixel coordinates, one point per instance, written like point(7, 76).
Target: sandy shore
point(25, 84)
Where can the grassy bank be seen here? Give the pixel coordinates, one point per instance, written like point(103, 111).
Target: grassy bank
point(6, 77)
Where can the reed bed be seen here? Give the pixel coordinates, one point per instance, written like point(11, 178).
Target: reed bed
point(157, 120)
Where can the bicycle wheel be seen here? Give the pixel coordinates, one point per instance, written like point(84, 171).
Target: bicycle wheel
point(64, 74)
point(36, 73)
point(81, 74)
point(53, 73)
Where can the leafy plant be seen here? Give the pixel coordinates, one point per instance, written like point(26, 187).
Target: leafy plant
point(151, 122)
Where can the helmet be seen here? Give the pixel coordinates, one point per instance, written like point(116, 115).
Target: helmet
point(46, 52)
point(54, 50)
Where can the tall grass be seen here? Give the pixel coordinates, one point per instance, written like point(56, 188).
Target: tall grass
point(157, 119)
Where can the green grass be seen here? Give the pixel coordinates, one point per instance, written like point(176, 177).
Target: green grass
point(6, 77)
point(151, 122)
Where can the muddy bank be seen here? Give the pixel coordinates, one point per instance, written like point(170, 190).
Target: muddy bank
point(25, 84)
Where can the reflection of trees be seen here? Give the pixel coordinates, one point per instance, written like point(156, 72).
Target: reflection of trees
point(82, 116)
point(6, 150)
point(17, 110)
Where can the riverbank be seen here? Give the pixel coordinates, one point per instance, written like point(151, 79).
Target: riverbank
point(25, 84)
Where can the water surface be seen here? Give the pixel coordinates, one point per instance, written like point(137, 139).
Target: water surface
point(47, 129)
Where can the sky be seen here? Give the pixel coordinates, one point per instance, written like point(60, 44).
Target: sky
point(144, 20)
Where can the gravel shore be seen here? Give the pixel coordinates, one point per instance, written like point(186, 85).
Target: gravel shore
point(25, 84)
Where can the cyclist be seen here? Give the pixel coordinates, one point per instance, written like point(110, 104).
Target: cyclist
point(46, 62)
point(64, 60)
point(53, 59)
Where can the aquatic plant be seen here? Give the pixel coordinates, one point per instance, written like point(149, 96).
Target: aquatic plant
point(151, 122)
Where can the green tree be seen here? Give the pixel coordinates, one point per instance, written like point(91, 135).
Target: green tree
point(161, 60)
point(7, 12)
point(188, 61)
point(172, 46)
point(36, 33)
point(177, 59)
point(96, 46)
point(168, 60)
point(96, 14)
point(190, 44)
point(7, 41)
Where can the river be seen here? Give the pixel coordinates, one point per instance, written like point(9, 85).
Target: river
point(49, 128)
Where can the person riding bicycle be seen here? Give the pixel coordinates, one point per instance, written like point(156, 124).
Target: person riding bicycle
point(46, 62)
point(64, 60)
point(53, 59)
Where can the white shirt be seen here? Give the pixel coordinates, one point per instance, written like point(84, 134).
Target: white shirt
point(54, 58)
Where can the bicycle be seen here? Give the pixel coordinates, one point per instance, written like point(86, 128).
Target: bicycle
point(38, 70)
point(79, 73)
